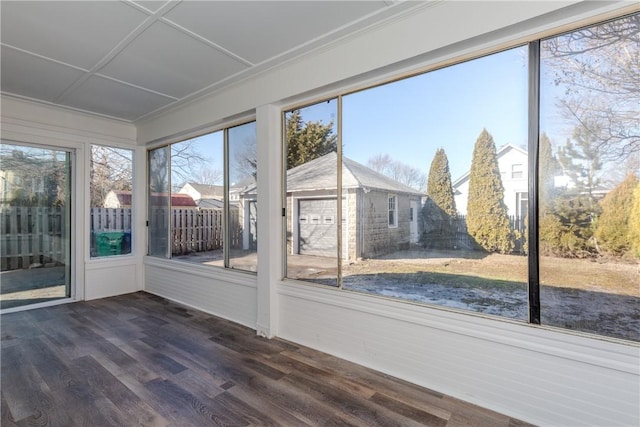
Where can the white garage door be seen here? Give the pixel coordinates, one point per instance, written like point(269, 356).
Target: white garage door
point(317, 220)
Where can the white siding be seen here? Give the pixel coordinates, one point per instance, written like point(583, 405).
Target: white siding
point(513, 186)
point(461, 197)
point(188, 189)
point(538, 375)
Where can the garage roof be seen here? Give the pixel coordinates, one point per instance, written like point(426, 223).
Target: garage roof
point(321, 174)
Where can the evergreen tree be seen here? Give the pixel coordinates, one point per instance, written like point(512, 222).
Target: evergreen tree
point(568, 215)
point(307, 141)
point(566, 228)
point(439, 186)
point(581, 160)
point(547, 170)
point(634, 223)
point(612, 233)
point(487, 219)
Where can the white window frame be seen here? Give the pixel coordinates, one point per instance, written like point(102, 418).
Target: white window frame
point(517, 172)
point(392, 205)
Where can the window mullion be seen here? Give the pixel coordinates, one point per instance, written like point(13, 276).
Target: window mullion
point(168, 253)
point(226, 234)
point(532, 214)
point(339, 193)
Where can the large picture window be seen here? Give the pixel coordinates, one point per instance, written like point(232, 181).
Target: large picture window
point(443, 144)
point(589, 166)
point(431, 180)
point(202, 199)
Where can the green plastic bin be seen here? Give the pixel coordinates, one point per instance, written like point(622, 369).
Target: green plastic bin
point(109, 242)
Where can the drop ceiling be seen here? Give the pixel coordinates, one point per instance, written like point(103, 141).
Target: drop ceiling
point(130, 60)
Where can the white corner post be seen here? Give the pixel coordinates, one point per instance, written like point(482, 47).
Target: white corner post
point(269, 150)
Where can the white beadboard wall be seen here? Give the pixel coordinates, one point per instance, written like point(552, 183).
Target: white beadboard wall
point(228, 294)
point(542, 376)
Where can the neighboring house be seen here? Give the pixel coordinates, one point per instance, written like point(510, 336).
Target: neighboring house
point(203, 192)
point(122, 199)
point(212, 197)
point(512, 163)
point(379, 214)
point(35, 179)
point(210, 203)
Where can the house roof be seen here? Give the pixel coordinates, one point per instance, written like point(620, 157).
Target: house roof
point(206, 191)
point(499, 153)
point(124, 197)
point(210, 203)
point(157, 199)
point(321, 174)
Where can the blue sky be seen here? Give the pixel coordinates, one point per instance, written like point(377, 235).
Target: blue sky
point(211, 147)
point(411, 118)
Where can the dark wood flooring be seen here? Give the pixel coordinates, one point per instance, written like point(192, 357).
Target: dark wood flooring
point(141, 360)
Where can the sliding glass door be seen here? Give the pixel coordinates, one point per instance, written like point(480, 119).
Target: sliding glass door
point(35, 224)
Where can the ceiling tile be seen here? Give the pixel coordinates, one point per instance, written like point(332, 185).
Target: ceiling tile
point(79, 33)
point(104, 96)
point(168, 61)
point(256, 30)
point(27, 75)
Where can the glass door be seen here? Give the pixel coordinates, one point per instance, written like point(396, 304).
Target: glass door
point(35, 224)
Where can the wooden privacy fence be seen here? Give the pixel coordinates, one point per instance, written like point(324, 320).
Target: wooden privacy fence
point(32, 235)
point(110, 219)
point(196, 230)
point(36, 235)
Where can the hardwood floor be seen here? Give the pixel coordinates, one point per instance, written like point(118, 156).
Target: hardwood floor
point(141, 360)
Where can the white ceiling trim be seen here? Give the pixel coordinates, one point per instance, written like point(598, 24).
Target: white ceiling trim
point(207, 42)
point(119, 48)
point(36, 55)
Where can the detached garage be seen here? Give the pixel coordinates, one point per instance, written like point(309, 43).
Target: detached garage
point(312, 210)
point(317, 226)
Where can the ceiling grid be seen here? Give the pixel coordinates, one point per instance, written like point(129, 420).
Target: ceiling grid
point(130, 60)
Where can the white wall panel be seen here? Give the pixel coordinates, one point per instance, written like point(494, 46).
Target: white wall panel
point(227, 294)
point(539, 375)
point(42, 121)
point(115, 277)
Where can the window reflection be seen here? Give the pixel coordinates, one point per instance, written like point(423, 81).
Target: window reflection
point(589, 169)
point(243, 197)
